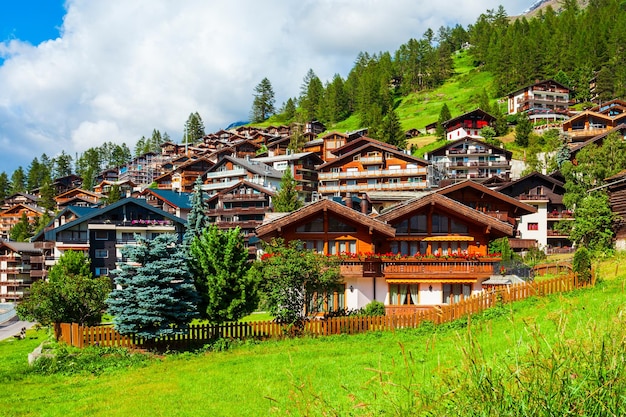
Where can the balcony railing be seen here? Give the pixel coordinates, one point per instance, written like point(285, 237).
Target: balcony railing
point(425, 268)
point(226, 173)
point(533, 197)
point(374, 187)
point(375, 173)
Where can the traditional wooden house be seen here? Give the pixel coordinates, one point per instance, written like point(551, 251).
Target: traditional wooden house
point(21, 264)
point(12, 216)
point(172, 150)
point(325, 145)
point(545, 193)
point(616, 187)
point(126, 187)
point(422, 253)
point(183, 176)
point(372, 167)
point(302, 166)
point(470, 158)
point(546, 101)
point(102, 233)
point(19, 198)
point(229, 171)
point(78, 197)
point(597, 140)
point(66, 183)
point(468, 124)
point(594, 122)
point(174, 202)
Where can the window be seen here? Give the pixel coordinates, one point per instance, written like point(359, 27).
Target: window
point(324, 300)
point(101, 235)
point(453, 293)
point(440, 223)
point(316, 225)
point(533, 226)
point(457, 227)
point(334, 225)
point(336, 247)
point(102, 253)
point(102, 271)
point(403, 294)
point(418, 224)
point(315, 245)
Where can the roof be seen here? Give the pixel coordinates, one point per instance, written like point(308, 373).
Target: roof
point(407, 207)
point(289, 157)
point(527, 176)
point(597, 138)
point(355, 143)
point(477, 112)
point(450, 144)
point(348, 156)
point(20, 246)
point(174, 198)
point(496, 194)
point(51, 234)
point(539, 83)
point(275, 225)
point(256, 167)
point(257, 187)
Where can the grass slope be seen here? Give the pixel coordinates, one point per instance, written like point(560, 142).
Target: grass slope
point(410, 372)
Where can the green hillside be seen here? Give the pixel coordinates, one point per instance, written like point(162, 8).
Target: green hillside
point(557, 355)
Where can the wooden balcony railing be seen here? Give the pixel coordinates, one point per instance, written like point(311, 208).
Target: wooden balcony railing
point(418, 268)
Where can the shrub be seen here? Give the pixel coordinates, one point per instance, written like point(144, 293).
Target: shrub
point(375, 308)
point(582, 264)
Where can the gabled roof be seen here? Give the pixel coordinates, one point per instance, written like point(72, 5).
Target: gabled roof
point(476, 114)
point(75, 191)
point(290, 157)
point(558, 84)
point(474, 216)
point(525, 208)
point(361, 141)
point(256, 167)
point(275, 225)
point(173, 198)
point(22, 206)
point(546, 178)
point(20, 246)
point(257, 187)
point(348, 156)
point(620, 128)
point(51, 234)
point(77, 211)
point(452, 143)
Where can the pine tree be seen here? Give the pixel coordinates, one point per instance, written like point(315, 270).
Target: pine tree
point(22, 230)
point(391, 131)
point(194, 129)
point(62, 165)
point(311, 95)
point(156, 294)
point(5, 185)
point(444, 116)
point(286, 200)
point(263, 103)
point(18, 181)
point(197, 219)
point(523, 130)
point(219, 264)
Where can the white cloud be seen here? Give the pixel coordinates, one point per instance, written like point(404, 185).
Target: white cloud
point(120, 69)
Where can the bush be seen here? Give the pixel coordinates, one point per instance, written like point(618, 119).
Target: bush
point(582, 264)
point(375, 308)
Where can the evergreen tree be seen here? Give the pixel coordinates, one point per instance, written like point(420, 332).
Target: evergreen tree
point(88, 165)
point(263, 103)
point(70, 295)
point(197, 219)
point(219, 265)
point(18, 181)
point(156, 295)
point(5, 185)
point(444, 116)
point(46, 196)
point(523, 130)
point(22, 231)
point(62, 165)
point(114, 194)
point(593, 221)
point(289, 109)
point(311, 95)
point(194, 129)
point(286, 199)
point(391, 131)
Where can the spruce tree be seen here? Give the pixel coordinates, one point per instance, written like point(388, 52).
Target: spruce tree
point(286, 200)
point(219, 264)
point(263, 103)
point(156, 294)
point(444, 116)
point(197, 219)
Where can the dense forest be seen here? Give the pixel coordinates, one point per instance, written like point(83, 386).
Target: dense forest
point(571, 45)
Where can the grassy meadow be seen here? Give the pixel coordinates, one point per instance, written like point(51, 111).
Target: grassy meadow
point(559, 355)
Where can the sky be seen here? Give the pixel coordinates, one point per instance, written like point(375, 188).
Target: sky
point(77, 73)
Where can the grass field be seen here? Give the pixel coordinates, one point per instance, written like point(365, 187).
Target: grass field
point(409, 372)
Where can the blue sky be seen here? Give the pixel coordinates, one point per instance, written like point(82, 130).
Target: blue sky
point(34, 21)
point(77, 73)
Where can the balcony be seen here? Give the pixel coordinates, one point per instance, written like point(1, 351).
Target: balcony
point(473, 151)
point(533, 197)
point(244, 197)
point(560, 215)
point(399, 186)
point(374, 173)
point(556, 234)
point(227, 173)
point(420, 269)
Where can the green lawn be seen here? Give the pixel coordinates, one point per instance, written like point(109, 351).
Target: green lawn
point(395, 373)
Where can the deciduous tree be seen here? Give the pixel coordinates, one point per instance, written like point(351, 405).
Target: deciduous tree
point(70, 295)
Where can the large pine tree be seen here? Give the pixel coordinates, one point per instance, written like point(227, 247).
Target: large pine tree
point(286, 200)
point(156, 294)
point(219, 264)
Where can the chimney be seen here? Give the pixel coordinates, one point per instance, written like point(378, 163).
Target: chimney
point(348, 200)
point(364, 204)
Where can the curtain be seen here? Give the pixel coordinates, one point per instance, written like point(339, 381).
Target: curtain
point(413, 291)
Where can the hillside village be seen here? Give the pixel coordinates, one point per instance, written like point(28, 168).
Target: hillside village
point(432, 217)
point(412, 232)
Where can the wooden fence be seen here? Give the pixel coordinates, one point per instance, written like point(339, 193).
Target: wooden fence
point(198, 335)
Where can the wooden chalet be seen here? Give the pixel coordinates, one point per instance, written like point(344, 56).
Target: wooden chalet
point(546, 100)
point(78, 197)
point(325, 145)
point(66, 183)
point(303, 167)
point(423, 252)
point(590, 123)
point(126, 187)
point(372, 167)
point(21, 264)
point(183, 177)
point(229, 171)
point(470, 158)
point(468, 124)
point(174, 202)
point(12, 216)
point(19, 198)
point(545, 194)
point(172, 150)
point(597, 140)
